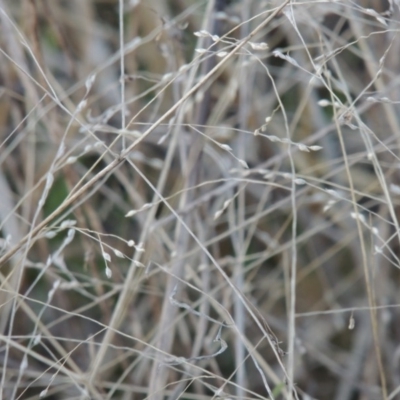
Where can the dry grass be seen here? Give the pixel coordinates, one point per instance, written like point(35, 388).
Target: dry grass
point(199, 199)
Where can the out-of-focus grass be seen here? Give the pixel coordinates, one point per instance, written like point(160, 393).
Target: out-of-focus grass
point(204, 206)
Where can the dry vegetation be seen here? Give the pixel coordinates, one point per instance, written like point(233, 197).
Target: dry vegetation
point(199, 199)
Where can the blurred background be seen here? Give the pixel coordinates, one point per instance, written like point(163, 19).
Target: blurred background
point(199, 199)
